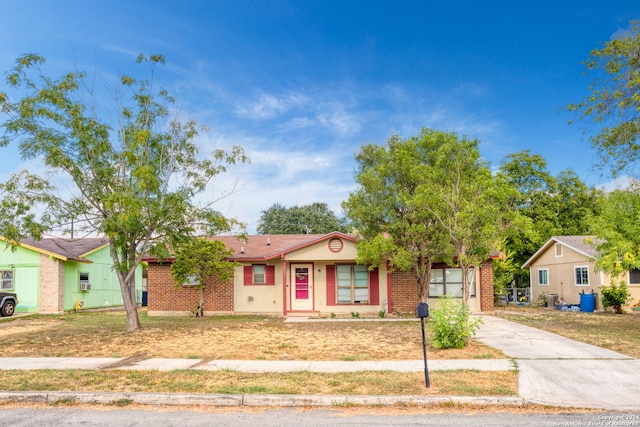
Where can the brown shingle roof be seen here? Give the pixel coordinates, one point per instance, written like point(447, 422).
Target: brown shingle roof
point(267, 246)
point(66, 249)
point(272, 245)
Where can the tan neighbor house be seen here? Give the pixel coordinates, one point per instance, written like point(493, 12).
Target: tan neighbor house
point(565, 266)
point(302, 274)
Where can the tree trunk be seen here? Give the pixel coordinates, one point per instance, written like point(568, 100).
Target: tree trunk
point(465, 283)
point(423, 277)
point(128, 288)
point(200, 311)
point(127, 282)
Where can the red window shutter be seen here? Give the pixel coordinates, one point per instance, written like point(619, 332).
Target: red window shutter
point(248, 275)
point(270, 275)
point(331, 285)
point(374, 287)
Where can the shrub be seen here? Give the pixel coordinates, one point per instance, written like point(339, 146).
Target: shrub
point(615, 296)
point(541, 301)
point(451, 325)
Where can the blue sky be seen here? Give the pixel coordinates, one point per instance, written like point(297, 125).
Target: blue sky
point(302, 84)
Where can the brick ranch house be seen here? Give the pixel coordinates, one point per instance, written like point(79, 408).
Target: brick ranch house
point(307, 274)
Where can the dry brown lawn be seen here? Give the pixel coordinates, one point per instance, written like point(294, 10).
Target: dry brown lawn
point(101, 334)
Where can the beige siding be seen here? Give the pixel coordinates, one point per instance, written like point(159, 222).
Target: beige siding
point(258, 298)
point(320, 251)
point(561, 275)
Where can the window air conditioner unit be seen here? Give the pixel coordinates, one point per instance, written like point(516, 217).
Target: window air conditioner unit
point(85, 286)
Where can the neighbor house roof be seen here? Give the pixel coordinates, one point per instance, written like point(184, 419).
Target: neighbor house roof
point(580, 244)
point(66, 249)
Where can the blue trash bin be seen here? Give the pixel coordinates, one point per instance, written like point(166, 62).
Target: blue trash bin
point(587, 302)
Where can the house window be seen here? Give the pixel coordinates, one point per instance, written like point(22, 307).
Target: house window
point(352, 282)
point(582, 276)
point(192, 280)
point(448, 281)
point(259, 274)
point(7, 279)
point(634, 276)
point(543, 277)
point(558, 250)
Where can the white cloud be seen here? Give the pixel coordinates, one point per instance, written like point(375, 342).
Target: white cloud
point(268, 106)
point(620, 183)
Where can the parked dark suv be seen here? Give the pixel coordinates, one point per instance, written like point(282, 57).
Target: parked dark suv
point(8, 302)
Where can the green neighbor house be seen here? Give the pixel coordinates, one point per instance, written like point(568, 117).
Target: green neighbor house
point(55, 275)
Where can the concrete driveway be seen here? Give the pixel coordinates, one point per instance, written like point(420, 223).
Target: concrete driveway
point(559, 371)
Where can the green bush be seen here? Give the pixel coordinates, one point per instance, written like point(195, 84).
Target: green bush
point(615, 296)
point(451, 325)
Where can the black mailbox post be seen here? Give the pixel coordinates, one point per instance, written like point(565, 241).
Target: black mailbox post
point(422, 311)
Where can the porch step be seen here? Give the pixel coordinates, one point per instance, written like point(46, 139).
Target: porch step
point(303, 314)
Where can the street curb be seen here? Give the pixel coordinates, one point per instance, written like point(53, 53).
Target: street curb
point(277, 400)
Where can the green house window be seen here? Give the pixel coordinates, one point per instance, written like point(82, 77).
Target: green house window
point(7, 279)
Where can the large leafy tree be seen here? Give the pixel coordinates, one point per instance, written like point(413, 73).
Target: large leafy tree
point(135, 183)
point(613, 102)
point(201, 263)
point(547, 206)
point(315, 218)
point(389, 206)
point(471, 204)
point(618, 231)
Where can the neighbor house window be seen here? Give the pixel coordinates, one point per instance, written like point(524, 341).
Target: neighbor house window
point(582, 276)
point(543, 277)
point(634, 276)
point(7, 279)
point(352, 282)
point(85, 285)
point(84, 278)
point(448, 281)
point(558, 250)
point(259, 274)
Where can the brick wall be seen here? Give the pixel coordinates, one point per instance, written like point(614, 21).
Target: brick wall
point(51, 286)
point(486, 286)
point(404, 292)
point(163, 295)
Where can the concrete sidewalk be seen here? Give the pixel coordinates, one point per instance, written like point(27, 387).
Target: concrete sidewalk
point(252, 366)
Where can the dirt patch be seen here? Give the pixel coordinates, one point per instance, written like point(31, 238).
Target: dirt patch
point(26, 326)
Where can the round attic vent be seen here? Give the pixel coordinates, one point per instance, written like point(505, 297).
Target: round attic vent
point(335, 245)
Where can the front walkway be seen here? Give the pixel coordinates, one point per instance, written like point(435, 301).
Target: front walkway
point(558, 371)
